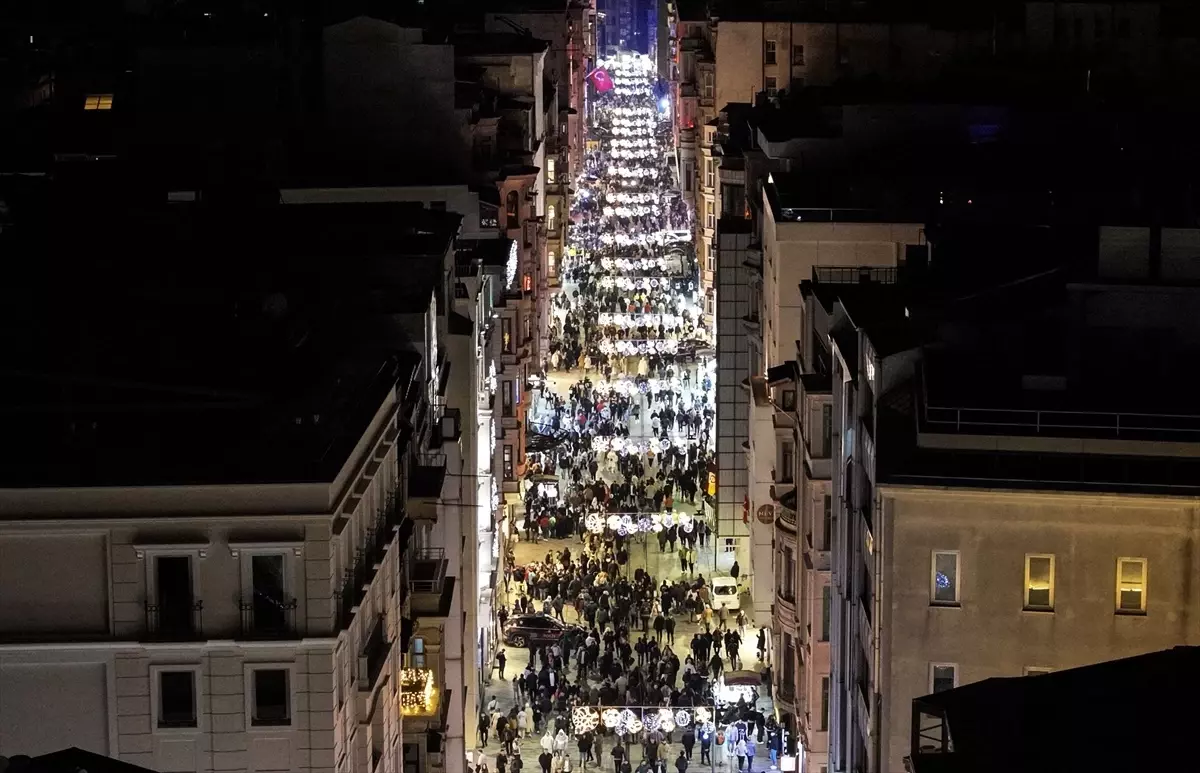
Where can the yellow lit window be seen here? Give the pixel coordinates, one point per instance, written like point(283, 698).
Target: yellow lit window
point(1131, 586)
point(1039, 582)
point(551, 218)
point(98, 102)
point(551, 263)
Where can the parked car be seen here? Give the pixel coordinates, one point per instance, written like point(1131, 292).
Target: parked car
point(725, 594)
point(522, 630)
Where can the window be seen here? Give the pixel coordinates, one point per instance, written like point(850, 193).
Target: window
point(98, 102)
point(787, 571)
point(551, 218)
point(826, 610)
point(769, 52)
point(1039, 582)
point(527, 324)
point(1131, 586)
point(506, 401)
point(551, 263)
point(1036, 670)
point(706, 86)
point(437, 206)
point(827, 524)
point(827, 429)
point(942, 677)
point(789, 400)
point(176, 698)
point(943, 584)
point(710, 217)
point(770, 87)
point(789, 665)
point(269, 601)
point(824, 703)
point(506, 336)
point(271, 698)
point(798, 55)
point(550, 171)
point(527, 282)
point(510, 209)
point(418, 652)
point(710, 175)
point(787, 461)
point(508, 463)
point(173, 596)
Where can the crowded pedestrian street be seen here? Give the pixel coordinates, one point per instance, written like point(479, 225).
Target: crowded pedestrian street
point(625, 646)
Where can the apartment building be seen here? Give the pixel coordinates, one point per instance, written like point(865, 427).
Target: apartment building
point(273, 592)
point(996, 513)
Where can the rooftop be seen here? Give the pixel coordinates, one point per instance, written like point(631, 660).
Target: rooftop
point(1063, 720)
point(497, 44)
point(243, 358)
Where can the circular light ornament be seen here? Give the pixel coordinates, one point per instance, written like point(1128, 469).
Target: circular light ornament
point(614, 522)
point(611, 717)
point(666, 720)
point(594, 523)
point(682, 718)
point(652, 722)
point(703, 715)
point(630, 722)
point(585, 719)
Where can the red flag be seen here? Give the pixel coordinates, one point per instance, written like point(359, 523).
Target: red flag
point(601, 80)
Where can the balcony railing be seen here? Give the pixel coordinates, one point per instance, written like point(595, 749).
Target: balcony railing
point(426, 477)
point(265, 616)
point(374, 655)
point(174, 622)
point(431, 589)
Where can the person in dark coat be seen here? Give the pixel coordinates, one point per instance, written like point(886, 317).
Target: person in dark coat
point(688, 740)
point(681, 763)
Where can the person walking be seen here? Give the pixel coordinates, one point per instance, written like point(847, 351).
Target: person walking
point(751, 750)
point(681, 763)
point(485, 722)
point(545, 759)
point(706, 744)
point(618, 755)
point(688, 740)
point(735, 571)
point(762, 643)
point(501, 659)
point(739, 751)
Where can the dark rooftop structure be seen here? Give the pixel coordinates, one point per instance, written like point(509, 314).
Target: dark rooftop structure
point(72, 760)
point(212, 348)
point(497, 44)
point(1084, 719)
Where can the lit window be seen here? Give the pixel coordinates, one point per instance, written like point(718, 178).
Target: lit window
point(527, 283)
point(98, 102)
point(942, 677)
point(550, 175)
point(1131, 586)
point(551, 218)
point(943, 583)
point(1039, 582)
point(551, 264)
point(418, 652)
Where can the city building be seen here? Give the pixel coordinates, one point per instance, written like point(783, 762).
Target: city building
point(281, 590)
point(1001, 722)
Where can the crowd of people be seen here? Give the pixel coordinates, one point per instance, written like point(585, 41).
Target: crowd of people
point(626, 478)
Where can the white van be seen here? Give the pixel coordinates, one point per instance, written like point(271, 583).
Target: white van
point(725, 593)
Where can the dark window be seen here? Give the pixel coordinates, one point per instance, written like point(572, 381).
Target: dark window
point(508, 463)
point(827, 429)
point(798, 55)
point(176, 699)
point(173, 593)
point(826, 605)
point(506, 401)
point(269, 600)
point(944, 677)
point(770, 87)
point(789, 400)
point(824, 703)
point(272, 701)
point(827, 525)
point(769, 52)
point(787, 461)
point(510, 209)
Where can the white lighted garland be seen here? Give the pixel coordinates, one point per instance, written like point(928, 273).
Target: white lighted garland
point(624, 445)
point(669, 321)
point(625, 524)
point(640, 346)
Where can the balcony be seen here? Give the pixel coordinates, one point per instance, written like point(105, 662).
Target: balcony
point(374, 656)
point(174, 622)
point(432, 591)
point(268, 616)
point(426, 476)
point(787, 507)
point(448, 429)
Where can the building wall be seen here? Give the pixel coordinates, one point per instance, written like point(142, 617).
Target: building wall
point(989, 634)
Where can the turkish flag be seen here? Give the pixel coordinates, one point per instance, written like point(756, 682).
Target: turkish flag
point(601, 80)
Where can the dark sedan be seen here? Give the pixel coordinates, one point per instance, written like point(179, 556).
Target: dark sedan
point(523, 630)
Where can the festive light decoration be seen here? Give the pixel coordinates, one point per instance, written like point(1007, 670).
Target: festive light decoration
point(702, 715)
point(651, 721)
point(611, 717)
point(585, 719)
point(682, 718)
point(666, 720)
point(630, 722)
point(624, 445)
point(594, 523)
point(417, 693)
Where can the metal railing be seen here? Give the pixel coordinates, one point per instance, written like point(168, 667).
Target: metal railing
point(427, 570)
point(268, 617)
point(855, 274)
point(174, 621)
